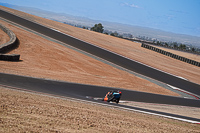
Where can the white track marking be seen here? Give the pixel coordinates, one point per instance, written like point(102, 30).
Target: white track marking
point(111, 105)
point(56, 30)
point(189, 93)
point(145, 112)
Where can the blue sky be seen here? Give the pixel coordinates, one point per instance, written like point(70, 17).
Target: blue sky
point(178, 16)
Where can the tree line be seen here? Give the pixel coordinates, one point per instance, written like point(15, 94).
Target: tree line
point(99, 28)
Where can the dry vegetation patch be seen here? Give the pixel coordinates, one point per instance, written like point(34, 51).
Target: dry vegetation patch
point(26, 112)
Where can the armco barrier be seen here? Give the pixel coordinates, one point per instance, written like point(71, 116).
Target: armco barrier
point(192, 62)
point(8, 46)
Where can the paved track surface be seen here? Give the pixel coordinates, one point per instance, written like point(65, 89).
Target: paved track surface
point(80, 91)
point(107, 55)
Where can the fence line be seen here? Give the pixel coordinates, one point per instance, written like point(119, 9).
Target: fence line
point(192, 62)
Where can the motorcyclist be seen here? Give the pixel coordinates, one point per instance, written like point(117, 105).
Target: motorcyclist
point(112, 96)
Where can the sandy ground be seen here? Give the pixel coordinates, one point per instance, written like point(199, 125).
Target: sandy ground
point(126, 48)
point(26, 112)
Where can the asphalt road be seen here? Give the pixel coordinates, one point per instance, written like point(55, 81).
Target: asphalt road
point(105, 54)
point(80, 91)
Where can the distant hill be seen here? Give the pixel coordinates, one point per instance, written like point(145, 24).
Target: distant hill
point(120, 28)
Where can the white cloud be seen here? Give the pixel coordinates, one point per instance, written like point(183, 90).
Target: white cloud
point(130, 5)
point(135, 6)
